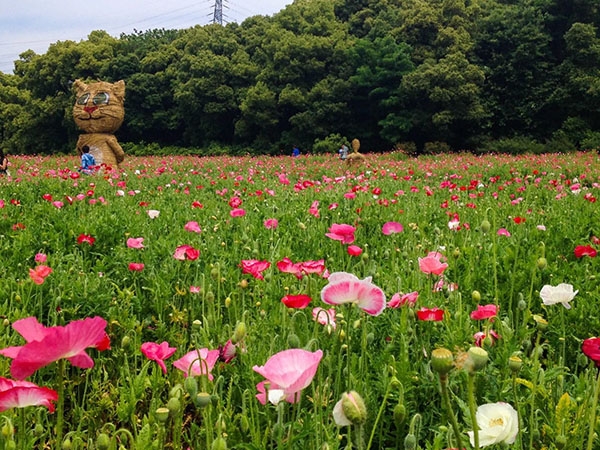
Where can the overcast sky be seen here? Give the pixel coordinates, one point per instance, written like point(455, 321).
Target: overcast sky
point(34, 24)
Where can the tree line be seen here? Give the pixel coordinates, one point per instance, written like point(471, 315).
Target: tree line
point(425, 75)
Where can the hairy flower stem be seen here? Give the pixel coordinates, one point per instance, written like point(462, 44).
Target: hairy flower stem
point(534, 380)
point(21, 430)
point(379, 414)
point(448, 406)
point(472, 409)
point(517, 407)
point(60, 405)
point(592, 423)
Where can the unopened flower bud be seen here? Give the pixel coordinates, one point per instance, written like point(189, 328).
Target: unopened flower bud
point(485, 226)
point(191, 386)
point(125, 342)
point(196, 324)
point(243, 284)
point(476, 296)
point(11, 445)
point(293, 340)
point(442, 360)
point(542, 263)
point(66, 444)
point(354, 407)
point(174, 405)
point(410, 442)
point(399, 414)
point(239, 333)
point(202, 400)
point(162, 414)
point(210, 296)
point(103, 441)
point(477, 358)
point(219, 444)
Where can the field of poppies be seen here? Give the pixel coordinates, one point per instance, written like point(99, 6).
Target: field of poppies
point(301, 303)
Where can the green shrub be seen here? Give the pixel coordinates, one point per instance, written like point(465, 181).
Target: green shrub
point(330, 144)
point(517, 145)
point(408, 148)
point(436, 148)
point(591, 141)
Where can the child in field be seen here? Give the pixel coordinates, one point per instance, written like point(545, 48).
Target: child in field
point(88, 163)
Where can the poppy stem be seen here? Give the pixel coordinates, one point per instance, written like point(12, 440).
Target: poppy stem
point(60, 406)
point(472, 409)
point(592, 422)
point(448, 406)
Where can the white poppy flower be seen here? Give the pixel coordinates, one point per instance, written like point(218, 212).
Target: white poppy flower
point(497, 422)
point(563, 293)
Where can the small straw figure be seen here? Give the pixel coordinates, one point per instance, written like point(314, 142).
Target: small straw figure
point(355, 157)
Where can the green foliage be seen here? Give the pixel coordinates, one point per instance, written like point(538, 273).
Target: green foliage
point(330, 144)
point(464, 73)
point(518, 145)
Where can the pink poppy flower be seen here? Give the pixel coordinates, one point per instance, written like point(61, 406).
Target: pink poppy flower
point(354, 250)
point(433, 314)
point(432, 264)
point(136, 243)
point(58, 204)
point(153, 213)
point(480, 336)
point(227, 352)
point(341, 232)
point(184, 252)
point(503, 232)
point(20, 394)
point(585, 250)
point(287, 373)
point(85, 239)
point(324, 316)
point(195, 289)
point(192, 226)
point(198, 362)
point(271, 224)
point(400, 299)
point(237, 212)
point(299, 301)
point(484, 312)
point(347, 288)
point(314, 208)
point(39, 273)
point(40, 258)
point(46, 345)
point(287, 266)
point(391, 228)
point(255, 267)
point(136, 267)
point(309, 267)
point(158, 352)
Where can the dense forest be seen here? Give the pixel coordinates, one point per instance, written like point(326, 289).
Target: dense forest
point(423, 75)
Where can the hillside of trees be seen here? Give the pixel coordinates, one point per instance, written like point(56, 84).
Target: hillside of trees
point(429, 75)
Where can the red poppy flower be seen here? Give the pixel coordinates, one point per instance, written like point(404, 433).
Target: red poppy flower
point(354, 250)
point(184, 252)
point(18, 226)
point(484, 312)
point(255, 267)
point(136, 267)
point(86, 238)
point(585, 250)
point(299, 301)
point(20, 394)
point(235, 202)
point(591, 348)
point(433, 314)
point(519, 220)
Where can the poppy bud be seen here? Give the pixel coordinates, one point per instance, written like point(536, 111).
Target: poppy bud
point(202, 400)
point(174, 405)
point(542, 263)
point(354, 407)
point(243, 284)
point(11, 445)
point(477, 358)
point(219, 444)
point(210, 296)
point(227, 302)
point(456, 253)
point(476, 296)
point(239, 333)
point(191, 386)
point(485, 226)
point(103, 441)
point(293, 340)
point(66, 445)
point(197, 324)
point(125, 342)
point(410, 442)
point(442, 360)
point(399, 414)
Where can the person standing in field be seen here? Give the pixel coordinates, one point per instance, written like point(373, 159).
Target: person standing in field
point(3, 164)
point(88, 163)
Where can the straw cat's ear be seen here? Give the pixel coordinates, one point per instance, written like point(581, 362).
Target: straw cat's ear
point(79, 86)
point(118, 89)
